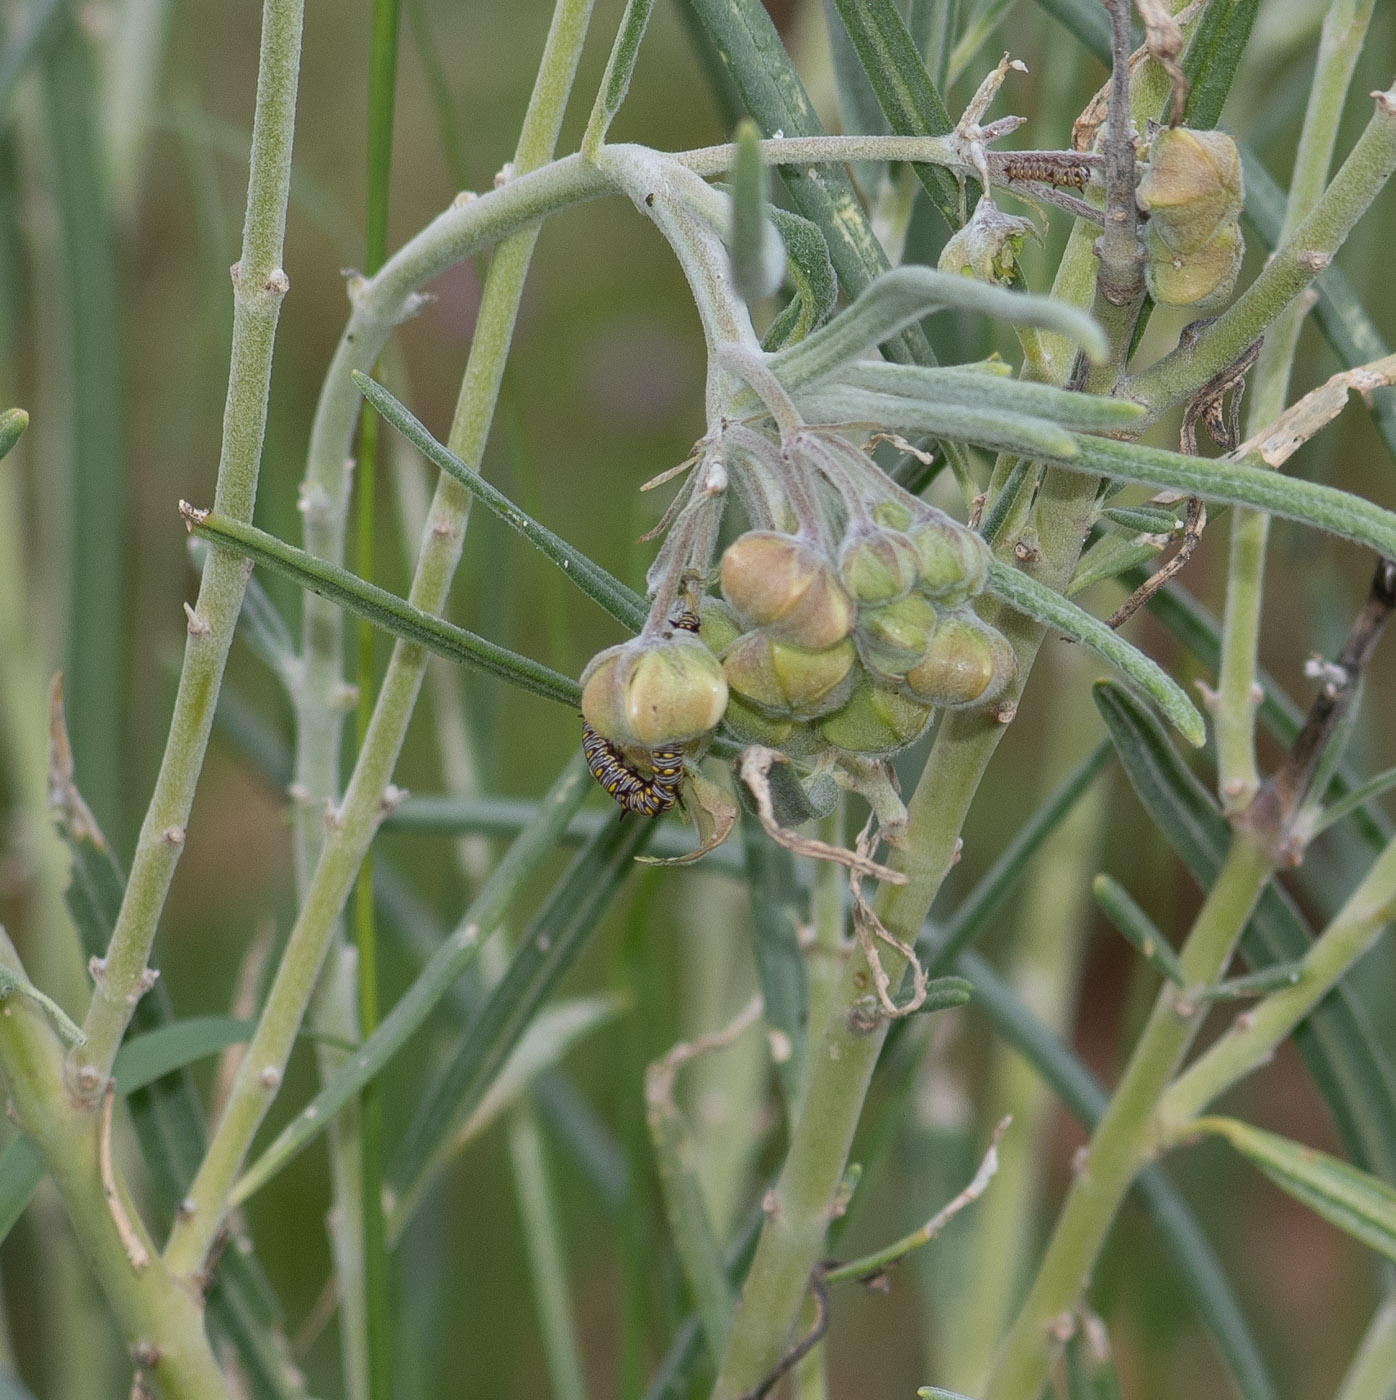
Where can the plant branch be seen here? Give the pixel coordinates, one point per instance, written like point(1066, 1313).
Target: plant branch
point(350, 828)
point(259, 284)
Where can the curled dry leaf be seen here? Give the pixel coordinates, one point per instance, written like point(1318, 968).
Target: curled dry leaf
point(871, 931)
point(1163, 38)
point(714, 813)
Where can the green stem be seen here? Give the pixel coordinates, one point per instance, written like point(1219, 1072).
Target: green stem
point(1124, 1141)
point(160, 1319)
point(259, 284)
point(353, 824)
point(1344, 28)
point(1255, 1034)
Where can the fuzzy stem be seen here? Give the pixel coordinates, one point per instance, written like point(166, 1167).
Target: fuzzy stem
point(352, 827)
point(1124, 1140)
point(1256, 1033)
point(1237, 773)
point(161, 1320)
point(259, 285)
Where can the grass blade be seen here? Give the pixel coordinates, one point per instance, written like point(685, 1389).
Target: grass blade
point(441, 972)
point(1026, 595)
point(383, 609)
point(550, 944)
point(623, 604)
point(904, 91)
point(1356, 1202)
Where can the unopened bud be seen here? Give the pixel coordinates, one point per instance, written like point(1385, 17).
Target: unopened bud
point(877, 566)
point(653, 694)
point(954, 560)
point(892, 638)
point(987, 247)
point(967, 663)
point(750, 726)
point(780, 583)
point(785, 680)
point(876, 722)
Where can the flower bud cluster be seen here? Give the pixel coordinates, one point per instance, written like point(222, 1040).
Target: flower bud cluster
point(854, 648)
point(1191, 191)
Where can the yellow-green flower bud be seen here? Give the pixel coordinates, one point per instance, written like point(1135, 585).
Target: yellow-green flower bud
point(987, 247)
point(954, 560)
point(779, 583)
point(719, 626)
point(654, 694)
point(894, 637)
point(1203, 278)
point(876, 721)
point(967, 663)
point(750, 726)
point(878, 565)
point(1191, 186)
point(785, 680)
point(893, 514)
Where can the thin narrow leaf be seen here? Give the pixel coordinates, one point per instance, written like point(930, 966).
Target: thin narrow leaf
point(13, 983)
point(548, 947)
point(753, 55)
point(620, 68)
point(993, 386)
point(816, 284)
point(904, 90)
point(1088, 22)
point(623, 604)
point(1197, 1265)
point(13, 422)
point(1027, 595)
point(939, 949)
point(1255, 984)
point(1348, 1063)
point(1143, 520)
point(384, 609)
point(21, 1171)
point(260, 625)
point(145, 1058)
point(998, 429)
point(1138, 928)
point(901, 297)
point(944, 994)
point(545, 1044)
point(778, 912)
point(1212, 57)
point(753, 245)
point(441, 972)
point(1356, 1202)
point(1358, 798)
point(1215, 479)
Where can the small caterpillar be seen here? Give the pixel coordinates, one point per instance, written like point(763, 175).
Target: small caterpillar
point(1046, 172)
point(645, 796)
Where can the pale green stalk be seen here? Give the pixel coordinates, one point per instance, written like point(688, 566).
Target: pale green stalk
point(1255, 1034)
point(1043, 966)
point(1124, 1140)
point(547, 1262)
point(1372, 1375)
point(259, 284)
point(1344, 29)
point(351, 827)
point(160, 1318)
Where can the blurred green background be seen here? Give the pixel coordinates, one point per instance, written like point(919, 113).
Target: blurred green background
point(120, 213)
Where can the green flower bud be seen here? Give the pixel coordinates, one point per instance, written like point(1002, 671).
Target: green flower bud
point(878, 565)
point(779, 583)
point(893, 514)
point(789, 681)
point(954, 560)
point(750, 726)
point(987, 247)
point(876, 721)
point(1203, 278)
point(1192, 186)
point(653, 694)
point(967, 663)
point(891, 639)
point(719, 626)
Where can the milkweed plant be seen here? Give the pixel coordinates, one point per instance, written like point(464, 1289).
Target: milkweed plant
point(832, 968)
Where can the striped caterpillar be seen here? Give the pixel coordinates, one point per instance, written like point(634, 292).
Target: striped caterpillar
point(1045, 171)
point(646, 796)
